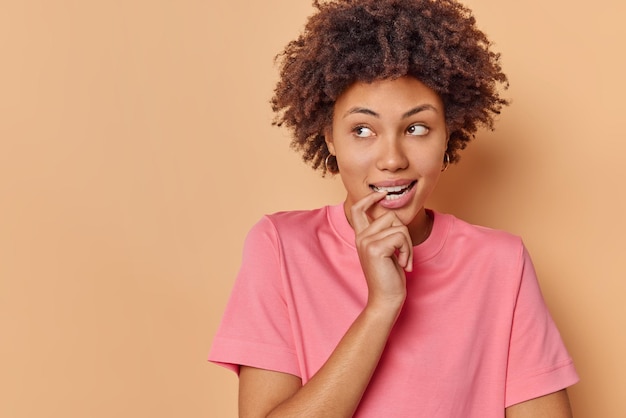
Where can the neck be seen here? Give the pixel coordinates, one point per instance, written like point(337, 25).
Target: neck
point(420, 227)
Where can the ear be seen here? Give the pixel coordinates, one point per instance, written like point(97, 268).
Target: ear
point(328, 138)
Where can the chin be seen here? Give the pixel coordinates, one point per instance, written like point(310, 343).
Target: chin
point(408, 218)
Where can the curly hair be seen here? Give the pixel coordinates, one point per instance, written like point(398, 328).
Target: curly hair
point(345, 41)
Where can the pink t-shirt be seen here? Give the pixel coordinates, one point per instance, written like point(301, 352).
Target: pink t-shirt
point(474, 335)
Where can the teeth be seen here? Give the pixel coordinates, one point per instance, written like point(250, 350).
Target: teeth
point(394, 192)
point(394, 196)
point(395, 189)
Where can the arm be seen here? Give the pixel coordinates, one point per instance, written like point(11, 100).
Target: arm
point(336, 389)
point(554, 405)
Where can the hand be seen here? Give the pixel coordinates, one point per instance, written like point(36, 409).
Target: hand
point(385, 250)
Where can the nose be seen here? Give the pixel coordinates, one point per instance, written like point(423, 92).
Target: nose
point(391, 155)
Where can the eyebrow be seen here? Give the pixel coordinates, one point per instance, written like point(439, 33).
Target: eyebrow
point(415, 110)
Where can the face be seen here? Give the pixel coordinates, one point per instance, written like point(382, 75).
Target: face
point(389, 135)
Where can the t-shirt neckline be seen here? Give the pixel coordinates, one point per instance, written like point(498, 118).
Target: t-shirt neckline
point(422, 252)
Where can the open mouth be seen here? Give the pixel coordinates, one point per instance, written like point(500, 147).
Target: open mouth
point(394, 192)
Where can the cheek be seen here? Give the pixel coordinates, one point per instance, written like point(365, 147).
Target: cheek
point(428, 161)
point(352, 161)
point(434, 165)
point(354, 173)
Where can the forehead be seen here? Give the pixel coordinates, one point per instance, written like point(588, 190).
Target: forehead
point(388, 96)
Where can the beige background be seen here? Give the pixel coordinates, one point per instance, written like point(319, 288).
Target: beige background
point(136, 151)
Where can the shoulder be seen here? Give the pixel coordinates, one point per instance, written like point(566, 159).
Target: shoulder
point(298, 221)
point(480, 239)
point(291, 224)
point(297, 233)
point(492, 256)
point(463, 229)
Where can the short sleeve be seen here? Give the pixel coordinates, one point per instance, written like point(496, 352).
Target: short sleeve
point(538, 361)
point(255, 329)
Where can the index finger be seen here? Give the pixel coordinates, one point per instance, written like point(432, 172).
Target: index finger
point(360, 219)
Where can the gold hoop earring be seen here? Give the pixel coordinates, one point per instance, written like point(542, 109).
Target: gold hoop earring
point(446, 162)
point(326, 164)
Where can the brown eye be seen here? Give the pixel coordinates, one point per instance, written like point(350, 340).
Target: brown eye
point(417, 130)
point(363, 131)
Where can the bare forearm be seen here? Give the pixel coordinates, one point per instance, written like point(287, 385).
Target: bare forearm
point(554, 405)
point(336, 389)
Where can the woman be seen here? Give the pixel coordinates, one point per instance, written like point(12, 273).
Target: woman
point(380, 307)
